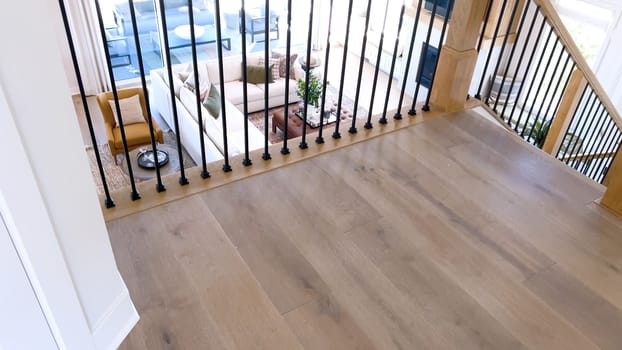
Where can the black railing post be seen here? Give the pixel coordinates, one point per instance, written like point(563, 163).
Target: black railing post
point(368, 124)
point(520, 61)
point(266, 94)
point(582, 121)
point(426, 106)
point(108, 202)
point(360, 74)
point(134, 193)
point(204, 173)
point(167, 52)
point(492, 48)
point(546, 68)
point(509, 63)
point(522, 84)
point(336, 133)
point(485, 25)
point(502, 51)
point(320, 139)
point(141, 68)
point(609, 136)
point(284, 149)
point(383, 118)
point(303, 143)
point(398, 113)
point(533, 81)
point(247, 160)
point(592, 140)
point(424, 53)
point(226, 167)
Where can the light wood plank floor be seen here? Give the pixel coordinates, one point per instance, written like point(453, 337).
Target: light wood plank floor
point(450, 234)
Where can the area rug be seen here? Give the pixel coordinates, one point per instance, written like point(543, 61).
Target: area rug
point(347, 105)
point(115, 176)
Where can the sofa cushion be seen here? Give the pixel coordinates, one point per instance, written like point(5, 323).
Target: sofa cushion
point(257, 74)
point(135, 134)
point(231, 69)
point(273, 63)
point(235, 94)
point(204, 80)
point(212, 102)
point(131, 110)
point(278, 88)
point(282, 58)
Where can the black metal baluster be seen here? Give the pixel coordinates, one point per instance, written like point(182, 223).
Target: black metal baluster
point(360, 74)
point(483, 32)
point(502, 51)
point(285, 149)
point(398, 113)
point(583, 120)
point(336, 133)
point(548, 88)
point(603, 165)
point(383, 118)
point(368, 124)
point(585, 131)
point(610, 135)
point(559, 99)
point(303, 143)
point(197, 91)
point(516, 71)
point(226, 167)
point(424, 54)
point(492, 48)
point(108, 202)
point(575, 119)
point(509, 63)
point(247, 159)
point(134, 193)
point(533, 82)
point(167, 51)
point(141, 68)
point(266, 95)
point(592, 139)
point(320, 139)
point(426, 105)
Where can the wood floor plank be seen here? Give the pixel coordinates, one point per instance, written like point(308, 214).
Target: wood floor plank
point(286, 276)
point(203, 266)
point(465, 324)
point(587, 311)
point(323, 324)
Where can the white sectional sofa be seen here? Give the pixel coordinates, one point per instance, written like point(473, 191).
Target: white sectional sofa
point(213, 132)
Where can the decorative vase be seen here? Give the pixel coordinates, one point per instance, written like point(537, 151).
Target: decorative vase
point(313, 112)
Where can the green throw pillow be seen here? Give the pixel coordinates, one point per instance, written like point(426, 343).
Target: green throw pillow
point(257, 74)
point(212, 102)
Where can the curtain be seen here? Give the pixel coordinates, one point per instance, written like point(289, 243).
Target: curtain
point(88, 44)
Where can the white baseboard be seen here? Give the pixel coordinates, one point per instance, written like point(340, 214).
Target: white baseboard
point(112, 328)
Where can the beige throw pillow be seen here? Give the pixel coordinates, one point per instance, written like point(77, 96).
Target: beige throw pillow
point(131, 110)
point(274, 64)
point(204, 81)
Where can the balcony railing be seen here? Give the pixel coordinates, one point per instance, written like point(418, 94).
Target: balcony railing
point(537, 82)
point(414, 72)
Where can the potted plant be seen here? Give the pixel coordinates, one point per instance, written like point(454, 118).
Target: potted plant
point(315, 91)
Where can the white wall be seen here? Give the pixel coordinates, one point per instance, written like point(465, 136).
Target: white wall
point(39, 106)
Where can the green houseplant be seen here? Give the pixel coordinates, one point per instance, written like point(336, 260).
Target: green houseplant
point(315, 90)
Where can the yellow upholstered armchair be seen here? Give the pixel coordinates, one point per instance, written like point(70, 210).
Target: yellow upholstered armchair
point(136, 134)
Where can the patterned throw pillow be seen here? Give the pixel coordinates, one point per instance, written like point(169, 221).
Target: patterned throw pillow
point(282, 57)
point(274, 63)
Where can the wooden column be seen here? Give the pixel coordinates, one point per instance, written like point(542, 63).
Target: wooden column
point(613, 181)
point(561, 121)
point(458, 56)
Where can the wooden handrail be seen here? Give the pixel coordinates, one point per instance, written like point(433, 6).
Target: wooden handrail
point(555, 21)
point(588, 156)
